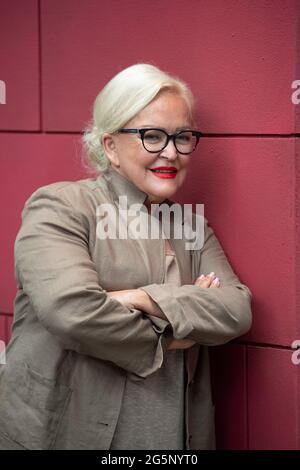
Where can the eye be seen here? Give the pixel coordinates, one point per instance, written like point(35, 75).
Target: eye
point(154, 136)
point(184, 137)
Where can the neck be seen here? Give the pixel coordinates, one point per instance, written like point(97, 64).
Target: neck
point(152, 200)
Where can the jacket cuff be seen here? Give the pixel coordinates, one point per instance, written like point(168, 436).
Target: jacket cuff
point(159, 324)
point(162, 295)
point(162, 346)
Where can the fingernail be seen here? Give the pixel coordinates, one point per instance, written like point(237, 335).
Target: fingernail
point(216, 281)
point(202, 276)
point(211, 274)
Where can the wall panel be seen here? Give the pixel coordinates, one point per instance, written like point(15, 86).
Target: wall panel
point(231, 53)
point(272, 395)
point(19, 69)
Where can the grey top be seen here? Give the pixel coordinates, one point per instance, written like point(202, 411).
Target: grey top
point(152, 413)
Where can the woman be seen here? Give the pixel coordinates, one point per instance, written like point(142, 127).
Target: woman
point(110, 334)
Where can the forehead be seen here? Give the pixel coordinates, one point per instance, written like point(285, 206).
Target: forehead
point(168, 109)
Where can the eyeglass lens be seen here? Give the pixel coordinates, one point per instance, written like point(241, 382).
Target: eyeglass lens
point(155, 140)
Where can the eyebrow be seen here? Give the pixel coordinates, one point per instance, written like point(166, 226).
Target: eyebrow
point(153, 126)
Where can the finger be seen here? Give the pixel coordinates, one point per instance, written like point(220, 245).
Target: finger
point(215, 282)
point(203, 281)
point(209, 276)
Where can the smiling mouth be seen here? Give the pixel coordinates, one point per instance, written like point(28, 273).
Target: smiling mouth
point(164, 172)
point(164, 169)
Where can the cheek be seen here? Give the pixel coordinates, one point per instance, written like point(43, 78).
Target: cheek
point(131, 156)
point(142, 159)
point(185, 163)
point(184, 168)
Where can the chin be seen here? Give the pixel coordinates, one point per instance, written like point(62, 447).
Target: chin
point(160, 195)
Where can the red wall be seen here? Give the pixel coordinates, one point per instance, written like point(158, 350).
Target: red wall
point(240, 59)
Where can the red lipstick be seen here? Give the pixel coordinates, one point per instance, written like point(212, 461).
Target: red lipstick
point(164, 171)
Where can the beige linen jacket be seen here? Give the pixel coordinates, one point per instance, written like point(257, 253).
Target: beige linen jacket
point(72, 346)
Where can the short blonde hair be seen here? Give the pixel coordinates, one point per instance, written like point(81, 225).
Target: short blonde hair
point(124, 96)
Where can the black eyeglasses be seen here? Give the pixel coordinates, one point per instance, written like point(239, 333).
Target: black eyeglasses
point(155, 140)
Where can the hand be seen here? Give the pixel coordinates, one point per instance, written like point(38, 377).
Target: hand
point(207, 281)
point(139, 299)
point(181, 343)
point(203, 282)
point(125, 297)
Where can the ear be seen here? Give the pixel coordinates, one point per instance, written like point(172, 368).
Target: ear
point(110, 148)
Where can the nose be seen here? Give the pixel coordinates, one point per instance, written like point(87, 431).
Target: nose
point(169, 151)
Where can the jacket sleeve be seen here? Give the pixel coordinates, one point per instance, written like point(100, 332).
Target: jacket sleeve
point(54, 268)
point(210, 316)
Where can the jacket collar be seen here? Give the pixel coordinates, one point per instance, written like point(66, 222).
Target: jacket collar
point(118, 185)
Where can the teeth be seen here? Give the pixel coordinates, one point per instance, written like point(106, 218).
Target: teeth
point(164, 171)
